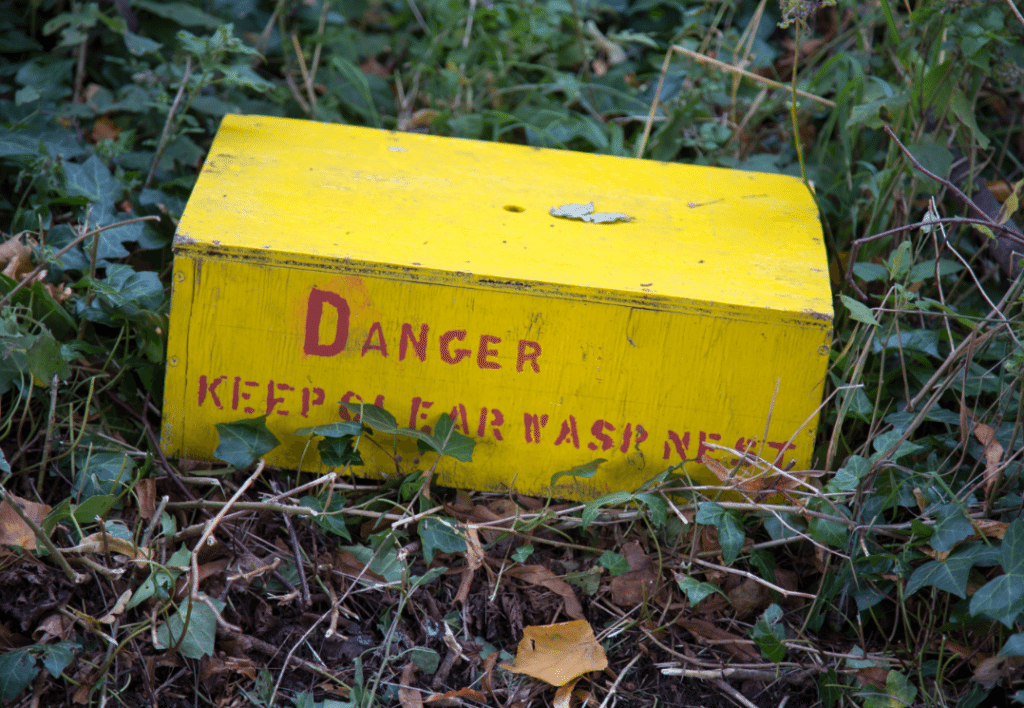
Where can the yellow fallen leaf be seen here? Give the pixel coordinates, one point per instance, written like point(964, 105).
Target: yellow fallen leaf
point(558, 653)
point(13, 530)
point(563, 696)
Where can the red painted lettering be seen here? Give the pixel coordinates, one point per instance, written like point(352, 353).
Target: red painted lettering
point(455, 416)
point(641, 435)
point(483, 352)
point(446, 340)
point(533, 423)
point(210, 389)
point(597, 429)
point(273, 400)
point(528, 352)
point(237, 394)
point(743, 445)
point(569, 429)
point(320, 396)
point(681, 444)
point(418, 345)
point(418, 403)
point(497, 420)
point(314, 314)
point(702, 448)
point(781, 447)
point(380, 346)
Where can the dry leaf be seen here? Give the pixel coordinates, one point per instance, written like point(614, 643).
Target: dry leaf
point(993, 452)
point(558, 653)
point(487, 680)
point(474, 559)
point(351, 567)
point(102, 542)
point(474, 550)
point(418, 121)
point(450, 698)
point(214, 665)
point(873, 676)
point(53, 626)
point(994, 668)
point(16, 258)
point(640, 583)
point(989, 528)
point(145, 490)
point(748, 597)
point(13, 530)
point(563, 696)
point(707, 633)
point(117, 609)
point(761, 485)
point(539, 575)
point(104, 129)
point(409, 697)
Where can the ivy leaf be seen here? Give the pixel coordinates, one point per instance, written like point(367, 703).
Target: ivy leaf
point(426, 659)
point(730, 532)
point(58, 657)
point(696, 590)
point(92, 180)
point(330, 518)
point(374, 417)
point(1002, 599)
point(951, 528)
point(615, 563)
point(592, 509)
point(827, 531)
point(848, 477)
point(199, 634)
point(1014, 646)
point(45, 360)
point(332, 430)
point(458, 446)
point(440, 535)
point(769, 634)
point(17, 670)
point(949, 575)
point(584, 471)
point(244, 441)
point(339, 452)
point(858, 310)
point(657, 505)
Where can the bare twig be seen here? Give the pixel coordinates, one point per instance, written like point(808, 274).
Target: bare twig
point(193, 594)
point(618, 680)
point(166, 134)
point(749, 75)
point(50, 421)
point(856, 245)
point(307, 78)
point(300, 566)
point(1015, 11)
point(30, 277)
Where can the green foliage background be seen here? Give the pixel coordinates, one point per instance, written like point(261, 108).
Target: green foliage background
point(106, 110)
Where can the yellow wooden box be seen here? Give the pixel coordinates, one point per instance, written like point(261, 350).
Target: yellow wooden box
point(319, 263)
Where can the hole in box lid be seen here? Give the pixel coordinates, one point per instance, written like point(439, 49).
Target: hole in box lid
point(513, 208)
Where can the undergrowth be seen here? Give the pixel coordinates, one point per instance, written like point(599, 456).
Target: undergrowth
point(890, 574)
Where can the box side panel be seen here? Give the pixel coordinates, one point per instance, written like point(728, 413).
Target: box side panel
point(184, 282)
point(542, 383)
